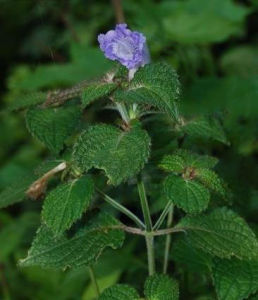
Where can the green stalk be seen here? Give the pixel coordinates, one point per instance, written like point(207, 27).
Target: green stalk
point(145, 205)
point(94, 281)
point(162, 216)
point(149, 238)
point(123, 210)
point(168, 239)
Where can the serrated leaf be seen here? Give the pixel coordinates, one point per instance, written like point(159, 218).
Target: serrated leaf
point(154, 85)
point(83, 248)
point(235, 279)
point(221, 233)
point(205, 127)
point(182, 159)
point(211, 180)
point(26, 101)
point(120, 292)
point(187, 255)
point(96, 91)
point(120, 154)
point(161, 287)
point(53, 126)
point(189, 195)
point(172, 163)
point(66, 203)
point(195, 160)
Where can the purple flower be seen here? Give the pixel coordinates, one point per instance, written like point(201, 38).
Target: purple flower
point(126, 46)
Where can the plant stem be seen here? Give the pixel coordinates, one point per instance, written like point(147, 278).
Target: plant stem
point(118, 11)
point(168, 240)
point(149, 237)
point(94, 281)
point(123, 112)
point(144, 205)
point(162, 216)
point(122, 209)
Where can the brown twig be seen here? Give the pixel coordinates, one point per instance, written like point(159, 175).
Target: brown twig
point(118, 11)
point(38, 187)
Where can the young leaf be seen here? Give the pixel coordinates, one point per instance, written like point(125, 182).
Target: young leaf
point(53, 126)
point(120, 292)
point(65, 204)
point(195, 160)
point(83, 248)
point(161, 287)
point(120, 154)
point(189, 195)
point(26, 101)
point(96, 91)
point(222, 233)
point(235, 279)
point(154, 85)
point(211, 180)
point(205, 127)
point(182, 158)
point(172, 163)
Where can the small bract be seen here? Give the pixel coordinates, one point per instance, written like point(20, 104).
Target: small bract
point(126, 46)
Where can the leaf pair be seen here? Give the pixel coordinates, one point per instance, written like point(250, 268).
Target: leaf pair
point(157, 287)
point(188, 187)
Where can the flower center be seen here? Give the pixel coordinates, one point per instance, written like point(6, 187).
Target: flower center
point(124, 48)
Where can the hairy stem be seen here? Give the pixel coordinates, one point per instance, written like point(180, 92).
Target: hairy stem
point(168, 240)
point(122, 209)
point(94, 281)
point(162, 216)
point(149, 237)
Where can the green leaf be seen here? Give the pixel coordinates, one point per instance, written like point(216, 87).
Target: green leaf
point(212, 181)
point(161, 287)
point(194, 259)
point(53, 126)
point(83, 248)
point(195, 160)
point(96, 91)
point(154, 85)
point(221, 233)
point(15, 192)
point(235, 279)
point(172, 163)
point(121, 154)
point(120, 292)
point(66, 203)
point(182, 159)
point(186, 21)
point(205, 127)
point(26, 101)
point(189, 195)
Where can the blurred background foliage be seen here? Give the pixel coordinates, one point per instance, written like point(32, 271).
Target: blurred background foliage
point(49, 44)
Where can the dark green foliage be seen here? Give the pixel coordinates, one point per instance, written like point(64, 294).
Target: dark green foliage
point(221, 233)
point(53, 126)
point(121, 154)
point(65, 204)
point(154, 85)
point(84, 248)
point(120, 292)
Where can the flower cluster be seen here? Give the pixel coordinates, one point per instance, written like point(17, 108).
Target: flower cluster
point(126, 46)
